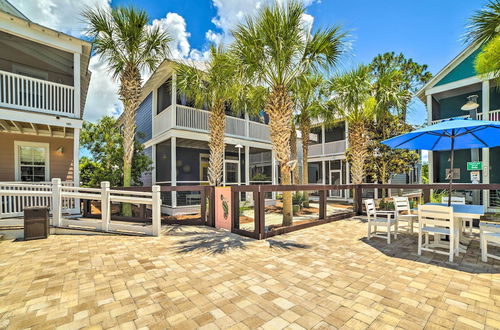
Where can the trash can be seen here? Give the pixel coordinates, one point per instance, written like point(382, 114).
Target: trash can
point(36, 222)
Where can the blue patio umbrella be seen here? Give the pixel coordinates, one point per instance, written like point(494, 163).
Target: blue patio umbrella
point(450, 134)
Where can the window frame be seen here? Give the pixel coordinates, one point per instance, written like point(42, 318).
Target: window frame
point(17, 163)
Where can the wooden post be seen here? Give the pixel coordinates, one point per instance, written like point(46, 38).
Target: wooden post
point(235, 213)
point(261, 219)
point(56, 202)
point(427, 195)
point(322, 203)
point(203, 206)
point(105, 206)
point(211, 207)
point(359, 200)
point(156, 210)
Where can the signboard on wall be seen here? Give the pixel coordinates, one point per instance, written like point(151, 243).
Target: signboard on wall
point(456, 174)
point(475, 176)
point(474, 166)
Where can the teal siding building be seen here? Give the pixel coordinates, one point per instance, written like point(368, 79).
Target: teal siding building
point(444, 95)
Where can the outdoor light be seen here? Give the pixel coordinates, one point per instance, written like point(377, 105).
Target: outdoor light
point(471, 103)
point(60, 150)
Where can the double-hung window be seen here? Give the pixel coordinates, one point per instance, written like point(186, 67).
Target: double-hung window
point(32, 161)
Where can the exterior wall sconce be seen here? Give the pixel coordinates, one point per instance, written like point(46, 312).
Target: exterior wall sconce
point(60, 150)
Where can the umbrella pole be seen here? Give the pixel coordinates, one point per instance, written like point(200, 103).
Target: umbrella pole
point(451, 164)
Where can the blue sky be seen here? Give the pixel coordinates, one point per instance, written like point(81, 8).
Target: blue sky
point(429, 31)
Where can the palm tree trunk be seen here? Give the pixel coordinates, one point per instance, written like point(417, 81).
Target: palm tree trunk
point(358, 142)
point(305, 130)
point(130, 92)
point(216, 127)
point(279, 110)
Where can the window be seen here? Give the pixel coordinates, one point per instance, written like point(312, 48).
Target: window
point(32, 161)
point(164, 96)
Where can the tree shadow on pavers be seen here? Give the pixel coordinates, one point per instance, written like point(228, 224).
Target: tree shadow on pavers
point(212, 242)
point(286, 245)
point(406, 247)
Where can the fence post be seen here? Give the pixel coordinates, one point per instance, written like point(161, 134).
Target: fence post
point(105, 206)
point(322, 203)
point(427, 195)
point(156, 210)
point(56, 202)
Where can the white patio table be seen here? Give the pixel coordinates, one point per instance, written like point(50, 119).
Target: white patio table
point(461, 211)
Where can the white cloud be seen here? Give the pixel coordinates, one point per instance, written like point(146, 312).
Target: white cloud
point(102, 99)
point(61, 15)
point(230, 13)
point(175, 25)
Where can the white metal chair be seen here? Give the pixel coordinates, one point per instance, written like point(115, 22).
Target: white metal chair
point(466, 223)
point(403, 212)
point(437, 220)
point(376, 221)
point(489, 234)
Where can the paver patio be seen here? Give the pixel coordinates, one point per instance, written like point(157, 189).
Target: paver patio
point(327, 276)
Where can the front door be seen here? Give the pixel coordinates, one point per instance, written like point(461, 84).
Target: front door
point(335, 178)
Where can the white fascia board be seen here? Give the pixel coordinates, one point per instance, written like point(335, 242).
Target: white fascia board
point(454, 85)
point(32, 31)
point(37, 118)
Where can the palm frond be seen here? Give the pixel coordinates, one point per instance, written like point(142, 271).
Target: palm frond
point(484, 25)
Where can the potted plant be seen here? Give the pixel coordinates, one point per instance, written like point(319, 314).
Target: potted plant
point(297, 202)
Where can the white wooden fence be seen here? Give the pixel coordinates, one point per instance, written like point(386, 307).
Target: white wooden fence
point(57, 196)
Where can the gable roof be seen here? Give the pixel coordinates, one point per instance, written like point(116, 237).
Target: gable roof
point(461, 67)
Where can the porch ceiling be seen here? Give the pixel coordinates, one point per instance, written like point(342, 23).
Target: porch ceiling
point(19, 127)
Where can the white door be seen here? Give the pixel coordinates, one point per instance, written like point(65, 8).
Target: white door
point(335, 178)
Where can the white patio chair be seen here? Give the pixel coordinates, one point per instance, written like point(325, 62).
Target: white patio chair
point(437, 220)
point(489, 234)
point(375, 220)
point(403, 212)
point(466, 223)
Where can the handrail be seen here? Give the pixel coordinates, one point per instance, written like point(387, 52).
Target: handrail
point(16, 75)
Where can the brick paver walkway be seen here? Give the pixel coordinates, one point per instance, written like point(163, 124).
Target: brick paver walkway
point(324, 277)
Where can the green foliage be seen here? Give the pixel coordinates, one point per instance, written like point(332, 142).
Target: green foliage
point(298, 199)
point(105, 144)
point(488, 60)
point(386, 205)
point(403, 76)
point(437, 195)
point(260, 177)
point(123, 37)
point(384, 161)
point(425, 173)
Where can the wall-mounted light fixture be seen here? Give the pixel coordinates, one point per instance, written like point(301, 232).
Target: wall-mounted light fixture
point(60, 150)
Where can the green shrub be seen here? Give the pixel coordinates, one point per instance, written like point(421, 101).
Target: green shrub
point(298, 199)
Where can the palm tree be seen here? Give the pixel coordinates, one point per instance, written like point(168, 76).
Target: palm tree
point(358, 97)
point(309, 105)
point(484, 25)
point(273, 50)
point(123, 38)
point(216, 88)
point(484, 28)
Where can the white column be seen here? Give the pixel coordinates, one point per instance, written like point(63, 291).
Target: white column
point(274, 171)
point(247, 165)
point(56, 202)
point(486, 151)
point(105, 206)
point(247, 124)
point(429, 153)
point(323, 172)
point(173, 158)
point(76, 83)
point(322, 139)
point(153, 159)
point(174, 99)
point(347, 165)
point(156, 211)
point(76, 165)
point(76, 157)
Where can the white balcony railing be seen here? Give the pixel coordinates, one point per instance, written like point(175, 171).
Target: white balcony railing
point(327, 149)
point(197, 120)
point(494, 115)
point(25, 93)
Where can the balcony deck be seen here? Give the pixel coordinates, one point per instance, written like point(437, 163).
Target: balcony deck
point(30, 94)
point(192, 119)
point(327, 149)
